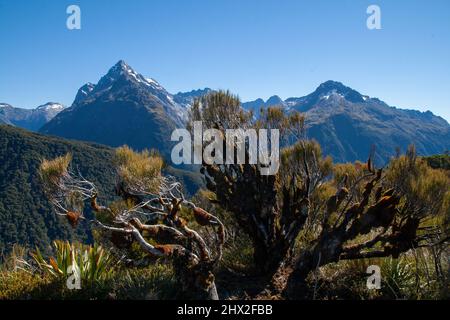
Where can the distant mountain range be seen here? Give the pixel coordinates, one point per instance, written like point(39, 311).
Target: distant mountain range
point(125, 107)
point(347, 123)
point(31, 119)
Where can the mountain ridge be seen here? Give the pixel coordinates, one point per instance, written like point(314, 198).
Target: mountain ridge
point(347, 124)
point(292, 101)
point(31, 119)
point(125, 107)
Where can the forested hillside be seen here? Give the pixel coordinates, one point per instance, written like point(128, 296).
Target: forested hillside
point(26, 216)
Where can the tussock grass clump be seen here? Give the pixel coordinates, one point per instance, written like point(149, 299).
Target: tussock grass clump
point(51, 171)
point(141, 170)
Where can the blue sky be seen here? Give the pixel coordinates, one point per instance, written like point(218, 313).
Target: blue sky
point(255, 48)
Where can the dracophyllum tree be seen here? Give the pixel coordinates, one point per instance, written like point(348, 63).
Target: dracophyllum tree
point(153, 213)
point(349, 211)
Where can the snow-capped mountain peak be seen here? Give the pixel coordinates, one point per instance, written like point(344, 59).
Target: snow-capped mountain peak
point(51, 106)
point(336, 89)
point(121, 70)
point(122, 80)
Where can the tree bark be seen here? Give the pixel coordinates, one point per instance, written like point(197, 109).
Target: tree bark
point(268, 260)
point(197, 282)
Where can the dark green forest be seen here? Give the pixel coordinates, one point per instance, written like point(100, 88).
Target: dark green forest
point(26, 216)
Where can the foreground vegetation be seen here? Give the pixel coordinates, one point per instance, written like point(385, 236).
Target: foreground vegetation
point(412, 276)
point(309, 232)
point(30, 282)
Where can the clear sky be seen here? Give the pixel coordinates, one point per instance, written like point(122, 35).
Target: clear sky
point(255, 48)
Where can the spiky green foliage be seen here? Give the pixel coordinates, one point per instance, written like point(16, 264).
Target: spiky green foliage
point(94, 263)
point(153, 282)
